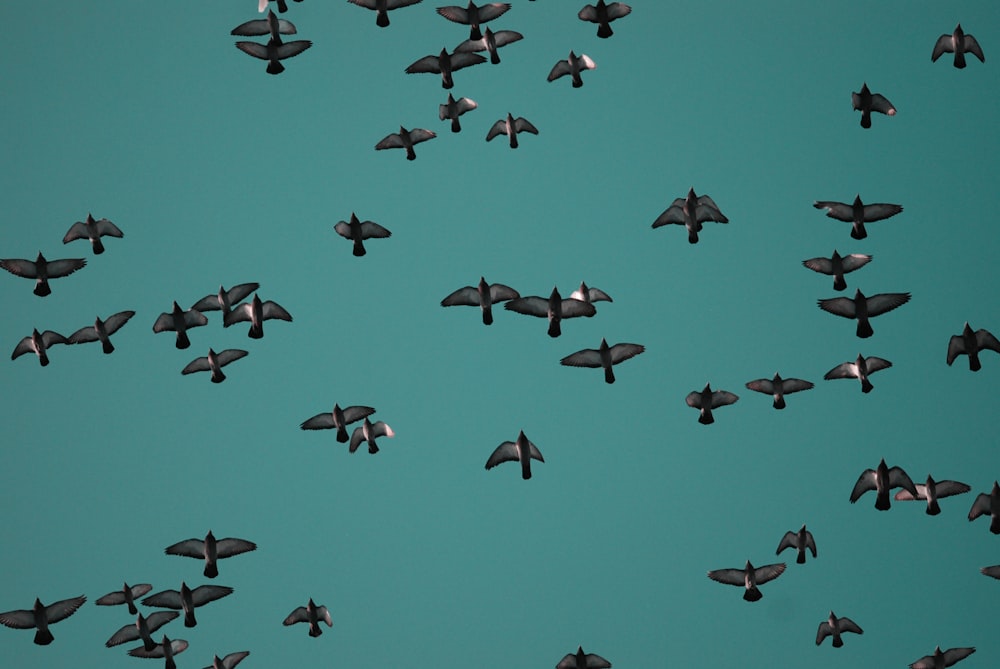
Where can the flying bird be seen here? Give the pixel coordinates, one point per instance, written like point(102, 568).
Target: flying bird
point(338, 418)
point(38, 343)
point(581, 660)
point(256, 312)
point(187, 599)
point(231, 660)
point(41, 270)
point(312, 614)
point(859, 369)
point(483, 296)
point(988, 505)
point(706, 400)
point(834, 626)
point(882, 479)
point(960, 44)
point(749, 577)
point(275, 50)
point(358, 231)
point(101, 330)
point(605, 356)
point(510, 127)
point(691, 211)
point(522, 450)
point(141, 629)
point(180, 321)
point(405, 139)
point(932, 491)
point(941, 659)
point(862, 308)
point(778, 388)
point(126, 595)
point(589, 295)
point(165, 649)
point(603, 14)
point(382, 8)
point(444, 64)
point(971, 343)
point(490, 42)
point(210, 550)
point(453, 108)
point(837, 266)
point(93, 230)
point(554, 309)
point(857, 214)
point(282, 5)
point(800, 541)
point(271, 25)
point(572, 66)
point(225, 300)
point(866, 102)
point(41, 616)
point(473, 15)
point(369, 432)
point(214, 362)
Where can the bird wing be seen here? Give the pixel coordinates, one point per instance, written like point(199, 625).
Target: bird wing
point(393, 141)
point(504, 37)
point(472, 45)
point(454, 13)
point(232, 546)
point(981, 506)
point(168, 599)
point(106, 227)
point(194, 318)
point(795, 385)
point(502, 293)
point(524, 125)
point(273, 310)
point(258, 27)
point(253, 49)
point(839, 306)
point(76, 231)
point(875, 364)
point(426, 65)
point(19, 620)
point(568, 662)
point(883, 302)
point(588, 357)
point(299, 615)
point(972, 46)
point(721, 398)
point(193, 548)
point(728, 576)
point(907, 496)
point(492, 10)
point(848, 625)
point(854, 261)
point(356, 413)
point(289, 49)
point(381, 429)
point(693, 399)
point(321, 421)
point(765, 386)
point(824, 631)
point(811, 543)
point(231, 660)
point(83, 335)
point(231, 354)
point(127, 633)
point(50, 337)
point(845, 370)
point(881, 104)
point(19, 267)
point(465, 297)
point(956, 347)
point(116, 321)
point(865, 483)
point(900, 479)
point(505, 452)
point(949, 488)
point(573, 308)
point(616, 10)
point(465, 59)
point(986, 340)
point(196, 365)
point(238, 314)
point(529, 306)
point(59, 268)
point(463, 105)
point(837, 210)
point(586, 62)
point(418, 135)
point(620, 352)
point(499, 128)
point(371, 229)
point(596, 662)
point(155, 621)
point(672, 214)
point(559, 69)
point(768, 572)
point(953, 655)
point(943, 45)
point(821, 265)
point(790, 540)
point(238, 293)
point(992, 572)
point(23, 346)
point(204, 594)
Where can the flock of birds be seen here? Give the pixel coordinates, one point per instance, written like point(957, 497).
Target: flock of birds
point(691, 211)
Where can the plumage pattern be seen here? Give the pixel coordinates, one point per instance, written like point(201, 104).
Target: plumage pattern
point(445, 64)
point(211, 550)
point(214, 362)
point(453, 108)
point(357, 231)
point(933, 490)
point(778, 388)
point(405, 139)
point(126, 595)
point(256, 312)
point(473, 15)
point(573, 66)
point(101, 330)
point(382, 8)
point(837, 266)
point(511, 127)
point(312, 614)
point(38, 343)
point(339, 419)
point(180, 321)
point(834, 626)
point(857, 214)
point(603, 14)
point(187, 600)
point(368, 433)
point(800, 541)
point(859, 369)
point(971, 343)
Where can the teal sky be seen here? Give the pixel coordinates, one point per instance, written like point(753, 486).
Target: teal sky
point(218, 173)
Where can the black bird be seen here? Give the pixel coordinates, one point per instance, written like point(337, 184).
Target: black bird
point(554, 309)
point(41, 270)
point(357, 231)
point(857, 213)
point(866, 102)
point(960, 44)
point(41, 616)
point(862, 308)
point(971, 343)
point(473, 15)
point(603, 14)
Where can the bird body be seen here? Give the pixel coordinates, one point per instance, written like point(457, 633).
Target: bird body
point(225, 300)
point(165, 649)
point(882, 479)
point(971, 343)
point(605, 356)
point(859, 369)
point(382, 8)
point(707, 399)
point(38, 343)
point(959, 43)
point(338, 418)
point(40, 617)
point(229, 661)
point(941, 659)
point(522, 450)
point(357, 231)
point(141, 629)
point(572, 66)
point(749, 577)
point(445, 64)
point(92, 230)
point(554, 309)
point(581, 660)
point(257, 312)
point(126, 595)
point(589, 295)
point(311, 614)
point(510, 127)
point(483, 295)
point(41, 270)
point(490, 42)
point(988, 505)
point(778, 388)
point(101, 330)
point(275, 50)
point(473, 15)
point(691, 211)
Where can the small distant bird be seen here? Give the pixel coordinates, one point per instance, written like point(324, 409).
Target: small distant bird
point(603, 14)
point(605, 356)
point(231, 660)
point(554, 309)
point(859, 369)
point(866, 102)
point(749, 577)
point(93, 230)
point(862, 308)
point(988, 505)
point(338, 418)
point(932, 491)
point(834, 626)
point(271, 25)
point(41, 270)
point(490, 42)
point(180, 321)
point(453, 108)
point(225, 300)
point(473, 15)
point(126, 595)
point(581, 660)
point(41, 616)
point(165, 649)
point(214, 362)
point(38, 343)
point(691, 212)
point(101, 330)
point(971, 343)
point(857, 213)
point(369, 432)
point(141, 629)
point(187, 599)
point(444, 64)
point(706, 400)
point(992, 572)
point(778, 388)
point(358, 231)
point(589, 295)
point(382, 8)
point(275, 50)
point(483, 296)
point(941, 659)
point(510, 127)
point(210, 550)
point(521, 450)
point(311, 614)
point(405, 139)
point(960, 44)
point(800, 541)
point(572, 66)
point(882, 479)
point(837, 266)
point(256, 312)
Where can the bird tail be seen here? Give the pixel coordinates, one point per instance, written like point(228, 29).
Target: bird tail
point(752, 594)
point(706, 417)
point(211, 570)
point(342, 434)
point(189, 619)
point(43, 359)
point(865, 329)
point(605, 31)
point(866, 385)
point(858, 231)
point(455, 125)
point(98, 246)
point(43, 637)
point(609, 375)
point(494, 58)
point(959, 59)
point(779, 402)
point(866, 118)
point(554, 328)
point(974, 364)
point(882, 502)
point(995, 524)
point(839, 283)
point(282, 6)
point(372, 448)
point(801, 559)
point(526, 469)
point(487, 316)
point(382, 19)
point(256, 331)
point(314, 630)
point(837, 642)
point(108, 346)
point(42, 288)
point(275, 67)
point(513, 140)
point(933, 508)
point(692, 236)
point(577, 81)
point(182, 340)
point(170, 664)
point(218, 377)
point(359, 248)
point(410, 153)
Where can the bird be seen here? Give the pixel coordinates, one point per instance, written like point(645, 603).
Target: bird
point(126, 595)
point(405, 139)
point(988, 505)
point(589, 295)
point(834, 626)
point(691, 211)
point(971, 343)
point(510, 127)
point(180, 321)
point(101, 330)
point(225, 300)
point(800, 541)
point(932, 491)
point(490, 42)
point(857, 214)
point(837, 266)
point(211, 550)
point(382, 8)
point(941, 659)
point(338, 418)
point(862, 308)
point(41, 616)
point(312, 614)
point(572, 66)
point(706, 400)
point(959, 43)
point(554, 309)
point(778, 388)
point(866, 102)
point(271, 25)
point(232, 659)
point(882, 479)
point(357, 231)
point(256, 312)
point(165, 649)
point(605, 356)
point(282, 5)
point(473, 15)
point(444, 64)
point(275, 50)
point(603, 14)
point(93, 230)
point(41, 270)
point(368, 432)
point(522, 450)
point(214, 362)
point(749, 577)
point(859, 369)
point(141, 629)
point(38, 343)
point(484, 296)
point(453, 108)
point(581, 660)
point(187, 600)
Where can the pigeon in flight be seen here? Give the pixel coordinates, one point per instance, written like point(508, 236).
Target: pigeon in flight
point(589, 295)
point(312, 614)
point(857, 213)
point(971, 343)
point(93, 230)
point(778, 388)
point(837, 266)
point(554, 308)
point(866, 102)
point(749, 577)
point(941, 659)
point(405, 139)
point(271, 25)
point(691, 211)
point(210, 550)
point(473, 15)
point(180, 321)
point(382, 8)
point(932, 491)
point(256, 312)
point(41, 616)
point(988, 505)
point(605, 356)
point(960, 44)
point(225, 300)
point(101, 330)
point(141, 629)
point(522, 451)
point(800, 541)
point(187, 599)
point(603, 14)
point(444, 64)
point(41, 270)
point(859, 369)
point(490, 42)
point(214, 362)
point(706, 400)
point(581, 660)
point(483, 296)
point(882, 479)
point(38, 343)
point(165, 649)
point(834, 626)
point(338, 418)
point(231, 660)
point(510, 127)
point(453, 108)
point(275, 50)
point(862, 308)
point(126, 595)
point(369, 432)
point(572, 66)
point(358, 231)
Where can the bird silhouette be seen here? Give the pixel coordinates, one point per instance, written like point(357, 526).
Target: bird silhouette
point(971, 343)
point(41, 270)
point(706, 400)
point(603, 14)
point(311, 614)
point(834, 626)
point(800, 541)
point(857, 214)
point(932, 491)
point(126, 595)
point(572, 66)
point(778, 388)
point(555, 309)
point(453, 108)
point(214, 362)
point(40, 616)
point(605, 356)
point(101, 330)
point(92, 230)
point(510, 126)
point(339, 419)
point(382, 8)
point(863, 308)
point(866, 102)
point(483, 296)
point(180, 321)
point(522, 450)
point(405, 139)
point(882, 479)
point(211, 550)
point(38, 343)
point(473, 15)
point(837, 266)
point(691, 211)
point(256, 312)
point(187, 600)
point(859, 369)
point(749, 578)
point(357, 231)
point(445, 64)
point(959, 43)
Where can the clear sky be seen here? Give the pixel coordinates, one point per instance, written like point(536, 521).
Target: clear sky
point(218, 173)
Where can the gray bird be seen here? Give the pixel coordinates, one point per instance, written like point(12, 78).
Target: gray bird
point(187, 600)
point(691, 211)
point(572, 66)
point(275, 50)
point(834, 626)
point(554, 309)
point(882, 479)
point(800, 541)
point(522, 450)
point(778, 388)
point(405, 139)
point(225, 300)
point(960, 44)
point(932, 491)
point(126, 595)
point(859, 369)
point(180, 321)
point(211, 550)
point(510, 127)
point(382, 8)
point(311, 614)
point(41, 270)
point(603, 14)
point(165, 649)
point(837, 266)
point(93, 230)
point(369, 432)
point(605, 356)
point(749, 578)
point(271, 25)
point(490, 42)
point(101, 330)
point(988, 505)
point(483, 296)
point(857, 213)
point(706, 400)
point(38, 343)
point(214, 362)
point(141, 629)
point(866, 102)
point(581, 660)
point(231, 660)
point(453, 108)
point(473, 15)
point(971, 343)
point(862, 308)
point(357, 231)
point(589, 295)
point(445, 64)
point(256, 312)
point(339, 419)
point(41, 616)
point(941, 659)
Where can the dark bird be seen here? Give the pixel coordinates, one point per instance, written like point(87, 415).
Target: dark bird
point(210, 550)
point(483, 296)
point(932, 491)
point(101, 330)
point(510, 127)
point(473, 15)
point(231, 660)
point(866, 102)
point(522, 451)
point(834, 626)
point(589, 295)
point(165, 649)
point(837, 266)
point(862, 308)
point(256, 312)
point(339, 419)
point(357, 231)
point(691, 211)
point(312, 614)
point(778, 388)
point(225, 300)
point(382, 8)
point(271, 25)
point(368, 433)
point(453, 108)
point(581, 660)
point(141, 629)
point(214, 362)
point(490, 42)
point(41, 616)
point(603, 14)
point(882, 479)
point(554, 309)
point(38, 343)
point(605, 356)
point(126, 595)
point(857, 213)
point(93, 231)
point(971, 343)
point(749, 577)
point(41, 270)
point(800, 541)
point(275, 50)
point(706, 400)
point(960, 44)
point(187, 599)
point(444, 64)
point(988, 505)
point(180, 321)
point(572, 66)
point(859, 369)
point(405, 139)
point(941, 659)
